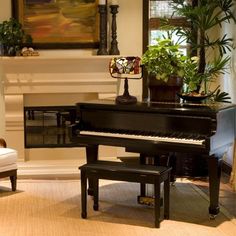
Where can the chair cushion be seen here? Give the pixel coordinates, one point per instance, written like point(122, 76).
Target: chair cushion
point(8, 167)
point(8, 156)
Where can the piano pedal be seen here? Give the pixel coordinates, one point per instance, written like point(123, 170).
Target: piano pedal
point(147, 200)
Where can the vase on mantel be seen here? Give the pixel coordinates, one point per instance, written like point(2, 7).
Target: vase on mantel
point(160, 91)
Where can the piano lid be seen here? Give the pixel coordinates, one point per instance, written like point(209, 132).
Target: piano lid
point(206, 109)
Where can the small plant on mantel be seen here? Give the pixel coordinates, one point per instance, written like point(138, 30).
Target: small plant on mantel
point(12, 37)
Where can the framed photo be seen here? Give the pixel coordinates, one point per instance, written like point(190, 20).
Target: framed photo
point(59, 23)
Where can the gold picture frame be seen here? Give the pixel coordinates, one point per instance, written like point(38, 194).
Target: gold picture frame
point(59, 23)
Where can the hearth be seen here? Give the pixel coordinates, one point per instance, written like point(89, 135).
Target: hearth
point(48, 126)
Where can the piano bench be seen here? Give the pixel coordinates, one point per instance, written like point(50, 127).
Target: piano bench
point(120, 171)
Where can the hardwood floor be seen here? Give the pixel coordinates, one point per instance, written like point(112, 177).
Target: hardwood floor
point(227, 195)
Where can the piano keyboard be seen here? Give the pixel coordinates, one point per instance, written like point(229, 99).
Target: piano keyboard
point(144, 137)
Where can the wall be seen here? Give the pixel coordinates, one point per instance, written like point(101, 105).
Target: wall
point(229, 78)
point(5, 11)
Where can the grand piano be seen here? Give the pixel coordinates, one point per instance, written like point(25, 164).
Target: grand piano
point(149, 128)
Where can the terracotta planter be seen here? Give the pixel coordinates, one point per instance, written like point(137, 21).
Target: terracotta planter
point(161, 91)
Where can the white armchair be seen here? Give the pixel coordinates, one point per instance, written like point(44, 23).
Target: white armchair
point(8, 165)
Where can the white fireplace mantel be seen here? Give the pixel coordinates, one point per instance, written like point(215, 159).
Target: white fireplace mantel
point(50, 74)
point(49, 80)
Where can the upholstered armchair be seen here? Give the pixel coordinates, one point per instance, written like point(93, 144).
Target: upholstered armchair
point(8, 165)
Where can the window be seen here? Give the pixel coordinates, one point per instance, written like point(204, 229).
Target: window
point(157, 10)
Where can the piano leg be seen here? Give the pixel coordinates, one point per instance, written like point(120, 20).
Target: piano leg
point(142, 161)
point(92, 156)
point(214, 171)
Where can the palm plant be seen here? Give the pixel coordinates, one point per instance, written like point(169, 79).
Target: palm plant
point(203, 16)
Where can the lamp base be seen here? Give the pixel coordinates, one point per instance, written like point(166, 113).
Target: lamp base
point(124, 99)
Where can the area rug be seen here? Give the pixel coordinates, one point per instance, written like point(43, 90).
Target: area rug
point(52, 207)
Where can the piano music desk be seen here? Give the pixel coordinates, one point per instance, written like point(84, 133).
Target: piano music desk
point(145, 174)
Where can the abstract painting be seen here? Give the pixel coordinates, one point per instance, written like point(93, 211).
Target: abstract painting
point(59, 23)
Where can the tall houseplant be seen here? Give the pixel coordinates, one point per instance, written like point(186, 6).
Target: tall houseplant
point(205, 17)
point(12, 37)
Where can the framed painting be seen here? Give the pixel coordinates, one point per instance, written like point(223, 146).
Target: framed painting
point(59, 23)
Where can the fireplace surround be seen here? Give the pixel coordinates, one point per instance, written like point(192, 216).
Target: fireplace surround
point(54, 81)
point(48, 126)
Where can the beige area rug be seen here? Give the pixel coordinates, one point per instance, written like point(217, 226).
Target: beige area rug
point(52, 207)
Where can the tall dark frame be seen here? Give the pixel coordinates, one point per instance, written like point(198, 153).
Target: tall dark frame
point(145, 43)
point(53, 45)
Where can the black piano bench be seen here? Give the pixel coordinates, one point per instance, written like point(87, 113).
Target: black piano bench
point(145, 174)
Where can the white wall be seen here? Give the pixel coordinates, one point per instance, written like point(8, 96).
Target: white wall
point(229, 79)
point(5, 9)
point(5, 12)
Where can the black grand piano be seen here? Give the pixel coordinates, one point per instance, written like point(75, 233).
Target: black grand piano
point(149, 128)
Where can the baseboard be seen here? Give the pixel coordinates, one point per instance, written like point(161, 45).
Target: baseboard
point(226, 168)
point(52, 168)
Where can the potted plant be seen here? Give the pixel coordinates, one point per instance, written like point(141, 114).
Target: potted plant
point(192, 78)
point(203, 16)
point(12, 37)
point(164, 64)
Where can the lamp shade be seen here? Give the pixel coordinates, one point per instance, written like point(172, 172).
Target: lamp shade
point(126, 67)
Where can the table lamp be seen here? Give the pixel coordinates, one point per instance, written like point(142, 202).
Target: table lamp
point(126, 68)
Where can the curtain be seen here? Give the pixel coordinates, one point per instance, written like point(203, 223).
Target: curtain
point(229, 85)
point(233, 96)
point(233, 173)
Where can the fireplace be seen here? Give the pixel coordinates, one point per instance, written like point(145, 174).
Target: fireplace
point(48, 126)
point(43, 88)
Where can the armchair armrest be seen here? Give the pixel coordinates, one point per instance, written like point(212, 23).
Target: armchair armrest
point(3, 143)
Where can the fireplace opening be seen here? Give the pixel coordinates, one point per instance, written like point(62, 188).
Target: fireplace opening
point(48, 126)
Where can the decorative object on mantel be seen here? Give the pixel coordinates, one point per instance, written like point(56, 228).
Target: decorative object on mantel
point(59, 24)
point(126, 68)
point(29, 52)
point(102, 8)
point(12, 37)
point(114, 44)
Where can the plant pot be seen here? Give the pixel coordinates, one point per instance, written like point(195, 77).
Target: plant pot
point(8, 50)
point(160, 91)
point(194, 99)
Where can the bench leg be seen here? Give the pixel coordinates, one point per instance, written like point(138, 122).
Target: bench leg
point(157, 206)
point(13, 182)
point(167, 197)
point(96, 194)
point(142, 161)
point(92, 156)
point(83, 195)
